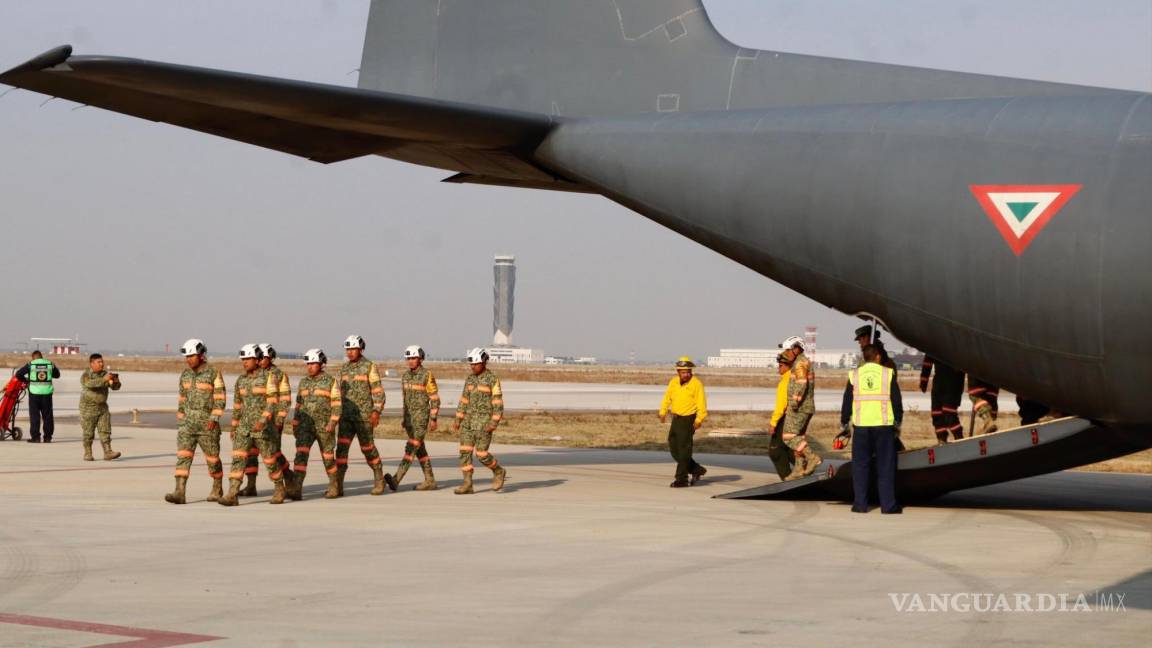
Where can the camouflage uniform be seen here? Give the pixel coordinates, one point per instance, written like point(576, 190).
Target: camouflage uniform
point(202, 400)
point(421, 408)
point(255, 403)
point(362, 393)
point(801, 401)
point(481, 405)
point(985, 404)
point(318, 405)
point(94, 416)
point(283, 396)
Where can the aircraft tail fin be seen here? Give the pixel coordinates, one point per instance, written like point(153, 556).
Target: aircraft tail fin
point(589, 58)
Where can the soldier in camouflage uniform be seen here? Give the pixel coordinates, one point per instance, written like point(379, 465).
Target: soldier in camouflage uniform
point(317, 413)
point(362, 396)
point(202, 401)
point(801, 407)
point(253, 415)
point(421, 407)
point(283, 396)
point(479, 413)
point(95, 383)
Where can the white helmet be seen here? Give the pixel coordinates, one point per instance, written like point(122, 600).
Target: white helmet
point(477, 356)
point(794, 341)
point(251, 351)
point(354, 342)
point(414, 351)
point(193, 347)
point(267, 350)
point(315, 356)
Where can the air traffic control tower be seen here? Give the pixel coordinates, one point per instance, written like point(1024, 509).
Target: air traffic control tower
point(503, 300)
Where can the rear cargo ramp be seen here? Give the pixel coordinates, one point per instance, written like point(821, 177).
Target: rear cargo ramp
point(978, 461)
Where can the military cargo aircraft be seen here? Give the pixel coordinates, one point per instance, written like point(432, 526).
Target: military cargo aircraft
point(1002, 225)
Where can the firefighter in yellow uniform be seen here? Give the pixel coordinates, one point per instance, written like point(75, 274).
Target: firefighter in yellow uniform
point(685, 399)
point(778, 452)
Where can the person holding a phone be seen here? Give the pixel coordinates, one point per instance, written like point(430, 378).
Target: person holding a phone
point(95, 419)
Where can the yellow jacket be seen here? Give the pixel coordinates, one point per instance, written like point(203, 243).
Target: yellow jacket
point(781, 400)
point(686, 399)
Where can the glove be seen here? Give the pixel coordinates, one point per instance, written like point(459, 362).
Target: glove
point(841, 440)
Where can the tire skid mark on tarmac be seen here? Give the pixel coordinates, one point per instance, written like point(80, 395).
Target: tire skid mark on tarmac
point(1076, 546)
point(562, 617)
point(968, 579)
point(38, 573)
point(571, 611)
point(17, 564)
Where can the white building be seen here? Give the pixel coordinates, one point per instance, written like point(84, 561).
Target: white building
point(559, 360)
point(836, 358)
point(515, 355)
point(766, 358)
point(744, 358)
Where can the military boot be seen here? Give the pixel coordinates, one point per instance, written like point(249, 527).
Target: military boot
point(429, 483)
point(333, 487)
point(466, 487)
point(177, 496)
point(340, 474)
point(281, 492)
point(88, 451)
point(296, 486)
point(811, 460)
point(109, 454)
point(987, 421)
point(217, 489)
point(498, 477)
point(797, 469)
point(393, 481)
point(378, 479)
point(232, 498)
point(250, 489)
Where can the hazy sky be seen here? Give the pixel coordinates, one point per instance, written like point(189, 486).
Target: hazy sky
point(152, 234)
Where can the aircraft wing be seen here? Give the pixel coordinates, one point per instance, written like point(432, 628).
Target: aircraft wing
point(320, 122)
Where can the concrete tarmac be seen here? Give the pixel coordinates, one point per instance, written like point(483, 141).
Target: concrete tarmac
point(583, 548)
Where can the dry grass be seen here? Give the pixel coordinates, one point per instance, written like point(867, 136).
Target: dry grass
point(643, 431)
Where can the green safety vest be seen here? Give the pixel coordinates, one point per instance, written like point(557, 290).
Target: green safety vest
point(872, 396)
point(40, 377)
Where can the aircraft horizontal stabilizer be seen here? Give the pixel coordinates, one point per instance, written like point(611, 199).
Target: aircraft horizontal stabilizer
point(320, 122)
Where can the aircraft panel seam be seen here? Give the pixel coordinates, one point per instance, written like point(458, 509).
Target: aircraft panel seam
point(663, 25)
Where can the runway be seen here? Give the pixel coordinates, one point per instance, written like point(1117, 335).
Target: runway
point(157, 391)
point(583, 548)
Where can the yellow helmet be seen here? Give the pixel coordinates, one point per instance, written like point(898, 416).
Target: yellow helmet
point(685, 363)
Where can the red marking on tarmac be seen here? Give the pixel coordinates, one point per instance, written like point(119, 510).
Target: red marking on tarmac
point(141, 638)
point(53, 470)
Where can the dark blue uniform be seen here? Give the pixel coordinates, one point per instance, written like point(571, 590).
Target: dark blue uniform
point(874, 453)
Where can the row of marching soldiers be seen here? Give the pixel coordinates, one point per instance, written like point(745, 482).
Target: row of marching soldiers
point(331, 411)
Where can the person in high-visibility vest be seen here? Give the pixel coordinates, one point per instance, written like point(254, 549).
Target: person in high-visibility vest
point(39, 373)
point(873, 406)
